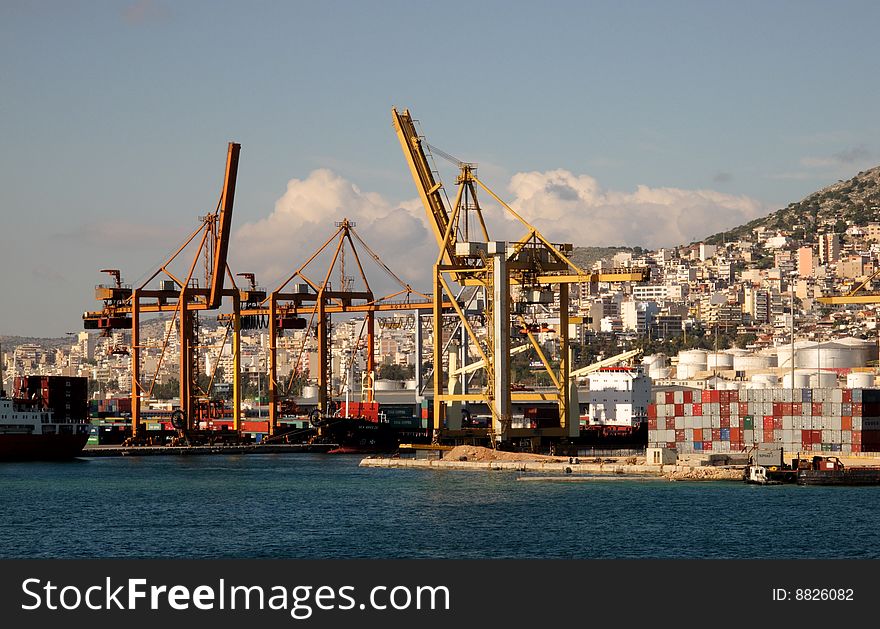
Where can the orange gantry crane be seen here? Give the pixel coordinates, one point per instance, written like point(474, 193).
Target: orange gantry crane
point(538, 268)
point(183, 296)
point(305, 302)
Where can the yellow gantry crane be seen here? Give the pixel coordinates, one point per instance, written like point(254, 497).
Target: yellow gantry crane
point(469, 266)
point(181, 295)
point(858, 295)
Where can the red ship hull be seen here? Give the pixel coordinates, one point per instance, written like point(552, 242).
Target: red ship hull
point(29, 447)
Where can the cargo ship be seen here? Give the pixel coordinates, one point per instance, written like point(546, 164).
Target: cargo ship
point(360, 428)
point(830, 470)
point(30, 433)
point(41, 426)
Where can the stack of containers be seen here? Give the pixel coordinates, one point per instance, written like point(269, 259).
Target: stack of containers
point(820, 419)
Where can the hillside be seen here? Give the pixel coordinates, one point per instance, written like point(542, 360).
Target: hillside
point(856, 200)
point(584, 257)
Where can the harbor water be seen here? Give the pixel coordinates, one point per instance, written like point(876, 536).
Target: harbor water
point(319, 506)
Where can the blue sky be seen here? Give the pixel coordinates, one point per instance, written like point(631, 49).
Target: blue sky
point(680, 116)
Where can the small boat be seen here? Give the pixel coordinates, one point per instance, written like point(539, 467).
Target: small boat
point(758, 475)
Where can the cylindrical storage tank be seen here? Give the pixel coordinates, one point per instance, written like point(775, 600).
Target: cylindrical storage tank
point(860, 380)
point(409, 384)
point(837, 356)
point(823, 380)
point(750, 362)
point(310, 391)
point(655, 360)
point(801, 380)
point(719, 360)
point(387, 385)
point(765, 379)
point(659, 373)
point(686, 371)
point(693, 357)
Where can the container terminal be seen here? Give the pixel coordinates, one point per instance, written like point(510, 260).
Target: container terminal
point(491, 302)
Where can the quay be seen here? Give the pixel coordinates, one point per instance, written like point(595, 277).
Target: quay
point(245, 448)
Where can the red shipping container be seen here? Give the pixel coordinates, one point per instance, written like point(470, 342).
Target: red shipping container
point(777, 423)
point(768, 422)
point(796, 408)
point(670, 397)
point(688, 397)
point(856, 448)
point(706, 396)
point(724, 396)
point(652, 410)
point(698, 434)
point(725, 409)
point(707, 445)
point(777, 408)
point(857, 409)
point(743, 408)
point(255, 426)
point(734, 395)
point(846, 423)
point(735, 435)
point(768, 436)
point(725, 423)
point(652, 423)
point(679, 410)
point(670, 445)
point(847, 396)
point(698, 410)
point(679, 435)
point(716, 434)
point(817, 409)
point(817, 436)
point(857, 438)
point(806, 436)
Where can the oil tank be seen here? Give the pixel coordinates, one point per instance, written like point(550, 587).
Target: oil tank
point(719, 360)
point(823, 380)
point(693, 357)
point(387, 385)
point(751, 362)
point(801, 379)
point(686, 371)
point(765, 380)
point(860, 380)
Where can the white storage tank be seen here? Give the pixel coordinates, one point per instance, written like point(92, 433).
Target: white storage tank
point(655, 360)
point(751, 362)
point(860, 380)
point(310, 391)
point(765, 380)
point(800, 380)
point(686, 371)
point(659, 373)
point(719, 360)
point(409, 384)
point(693, 357)
point(823, 380)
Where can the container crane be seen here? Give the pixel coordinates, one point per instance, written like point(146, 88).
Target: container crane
point(181, 295)
point(533, 264)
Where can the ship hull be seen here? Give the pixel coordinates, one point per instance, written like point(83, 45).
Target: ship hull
point(851, 476)
point(30, 447)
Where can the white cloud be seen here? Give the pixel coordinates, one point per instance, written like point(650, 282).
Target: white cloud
point(566, 207)
point(574, 208)
point(304, 218)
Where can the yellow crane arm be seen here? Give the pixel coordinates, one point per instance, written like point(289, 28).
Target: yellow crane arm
point(482, 363)
point(429, 189)
point(608, 362)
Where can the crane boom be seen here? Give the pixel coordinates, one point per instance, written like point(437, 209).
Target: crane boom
point(224, 225)
point(429, 189)
point(608, 362)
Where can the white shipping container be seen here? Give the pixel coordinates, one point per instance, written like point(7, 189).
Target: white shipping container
point(837, 396)
point(846, 409)
point(716, 422)
point(688, 434)
point(670, 435)
point(787, 422)
point(836, 409)
point(835, 423)
point(846, 436)
point(857, 396)
point(734, 422)
point(857, 423)
point(826, 436)
point(678, 397)
point(661, 424)
point(679, 423)
point(846, 448)
point(806, 409)
point(835, 436)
